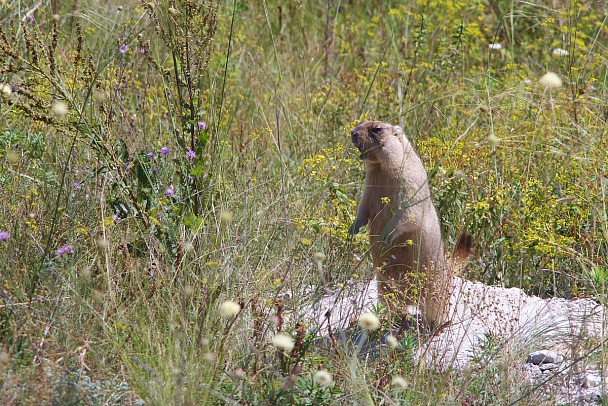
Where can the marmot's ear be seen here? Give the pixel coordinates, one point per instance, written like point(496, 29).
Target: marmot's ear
point(398, 130)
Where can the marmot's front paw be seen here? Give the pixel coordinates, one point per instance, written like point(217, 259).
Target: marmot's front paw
point(354, 229)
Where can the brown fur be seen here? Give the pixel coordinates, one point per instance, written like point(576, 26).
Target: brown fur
point(404, 229)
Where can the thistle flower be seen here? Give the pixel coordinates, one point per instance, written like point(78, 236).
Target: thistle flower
point(229, 309)
point(202, 125)
point(369, 321)
point(551, 81)
point(322, 377)
point(164, 151)
point(191, 154)
point(283, 342)
point(123, 49)
point(4, 235)
point(151, 155)
point(169, 192)
point(76, 185)
point(68, 249)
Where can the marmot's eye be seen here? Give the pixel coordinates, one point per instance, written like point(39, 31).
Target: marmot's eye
point(376, 130)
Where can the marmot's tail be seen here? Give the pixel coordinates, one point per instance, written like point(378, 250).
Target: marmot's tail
point(460, 256)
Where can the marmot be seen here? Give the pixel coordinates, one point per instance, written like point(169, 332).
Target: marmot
point(404, 230)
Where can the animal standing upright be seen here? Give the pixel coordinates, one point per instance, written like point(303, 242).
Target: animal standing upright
point(404, 229)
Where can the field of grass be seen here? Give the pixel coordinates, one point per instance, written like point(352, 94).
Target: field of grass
point(160, 158)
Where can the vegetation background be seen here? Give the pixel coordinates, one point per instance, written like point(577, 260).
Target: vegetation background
point(162, 157)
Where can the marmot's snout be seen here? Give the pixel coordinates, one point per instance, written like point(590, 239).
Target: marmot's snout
point(357, 142)
point(359, 137)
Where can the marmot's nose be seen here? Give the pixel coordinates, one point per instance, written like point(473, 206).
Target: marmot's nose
point(353, 132)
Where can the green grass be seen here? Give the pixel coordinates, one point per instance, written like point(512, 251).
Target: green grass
point(275, 180)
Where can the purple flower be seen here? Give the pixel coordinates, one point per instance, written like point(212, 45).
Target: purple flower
point(123, 49)
point(191, 154)
point(150, 155)
point(202, 125)
point(142, 51)
point(30, 17)
point(68, 249)
point(115, 218)
point(164, 151)
point(169, 192)
point(76, 185)
point(126, 164)
point(154, 170)
point(4, 235)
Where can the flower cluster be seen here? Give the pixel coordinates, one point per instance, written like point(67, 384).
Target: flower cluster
point(68, 249)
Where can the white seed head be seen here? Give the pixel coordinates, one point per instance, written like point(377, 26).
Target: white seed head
point(369, 321)
point(493, 140)
point(319, 256)
point(99, 96)
point(5, 357)
point(392, 341)
point(399, 382)
point(551, 81)
point(12, 157)
point(6, 89)
point(97, 296)
point(229, 309)
point(323, 378)
point(225, 217)
point(274, 320)
point(86, 272)
point(59, 108)
point(209, 357)
point(102, 243)
point(188, 290)
point(283, 342)
point(239, 373)
point(496, 46)
point(560, 52)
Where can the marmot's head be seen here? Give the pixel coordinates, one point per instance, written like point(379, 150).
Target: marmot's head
point(379, 142)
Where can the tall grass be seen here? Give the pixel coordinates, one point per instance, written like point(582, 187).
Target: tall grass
point(191, 153)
